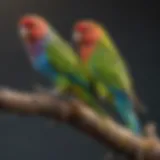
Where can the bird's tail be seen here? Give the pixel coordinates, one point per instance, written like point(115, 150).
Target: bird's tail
point(124, 107)
point(130, 119)
point(133, 123)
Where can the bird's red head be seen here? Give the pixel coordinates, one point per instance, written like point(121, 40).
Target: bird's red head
point(32, 28)
point(86, 32)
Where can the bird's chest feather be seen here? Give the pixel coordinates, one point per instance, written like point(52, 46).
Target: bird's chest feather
point(42, 65)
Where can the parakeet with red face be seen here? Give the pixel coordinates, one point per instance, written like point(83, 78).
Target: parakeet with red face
point(99, 53)
point(52, 56)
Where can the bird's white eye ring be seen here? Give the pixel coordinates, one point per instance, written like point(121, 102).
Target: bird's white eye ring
point(76, 36)
point(24, 31)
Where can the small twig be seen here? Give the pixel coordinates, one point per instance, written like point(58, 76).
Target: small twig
point(105, 130)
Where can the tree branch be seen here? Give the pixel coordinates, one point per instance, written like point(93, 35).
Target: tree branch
point(105, 130)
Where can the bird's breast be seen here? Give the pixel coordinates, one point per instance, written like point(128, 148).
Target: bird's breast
point(42, 65)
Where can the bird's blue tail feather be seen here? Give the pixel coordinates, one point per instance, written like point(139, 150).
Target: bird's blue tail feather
point(125, 109)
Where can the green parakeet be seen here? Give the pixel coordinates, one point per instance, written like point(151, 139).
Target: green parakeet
point(98, 52)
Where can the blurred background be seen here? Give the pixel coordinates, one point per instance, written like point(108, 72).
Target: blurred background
point(134, 25)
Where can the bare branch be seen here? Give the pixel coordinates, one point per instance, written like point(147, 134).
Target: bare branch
point(105, 130)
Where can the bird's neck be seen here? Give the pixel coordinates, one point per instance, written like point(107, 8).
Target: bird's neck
point(86, 53)
point(38, 48)
point(35, 49)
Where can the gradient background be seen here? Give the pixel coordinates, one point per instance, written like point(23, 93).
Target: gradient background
point(134, 27)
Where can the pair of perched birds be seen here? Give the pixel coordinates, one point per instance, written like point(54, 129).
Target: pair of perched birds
point(96, 71)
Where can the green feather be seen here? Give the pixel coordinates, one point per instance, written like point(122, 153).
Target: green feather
point(61, 55)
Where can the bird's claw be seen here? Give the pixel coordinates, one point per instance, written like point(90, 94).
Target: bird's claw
point(40, 88)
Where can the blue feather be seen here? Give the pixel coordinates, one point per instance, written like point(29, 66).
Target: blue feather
point(41, 65)
point(124, 107)
point(40, 62)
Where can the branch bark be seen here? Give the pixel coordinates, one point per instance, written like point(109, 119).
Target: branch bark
point(77, 114)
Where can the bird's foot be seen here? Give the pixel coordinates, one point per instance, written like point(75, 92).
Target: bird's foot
point(39, 88)
point(68, 97)
point(52, 91)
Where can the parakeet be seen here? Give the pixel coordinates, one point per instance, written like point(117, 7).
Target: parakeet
point(53, 57)
point(99, 53)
